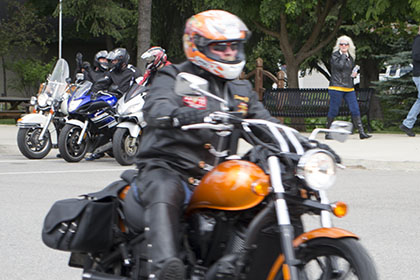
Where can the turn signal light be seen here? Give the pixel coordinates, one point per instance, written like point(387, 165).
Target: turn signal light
point(260, 187)
point(339, 209)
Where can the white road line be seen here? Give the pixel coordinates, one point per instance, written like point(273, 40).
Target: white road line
point(61, 171)
point(31, 160)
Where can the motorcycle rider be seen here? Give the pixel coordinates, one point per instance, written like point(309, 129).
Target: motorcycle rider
point(121, 75)
point(117, 80)
point(155, 58)
point(100, 67)
point(170, 159)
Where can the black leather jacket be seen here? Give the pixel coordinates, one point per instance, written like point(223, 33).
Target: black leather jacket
point(188, 151)
point(122, 79)
point(94, 75)
point(341, 69)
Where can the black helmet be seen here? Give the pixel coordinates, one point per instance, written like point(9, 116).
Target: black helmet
point(102, 65)
point(122, 57)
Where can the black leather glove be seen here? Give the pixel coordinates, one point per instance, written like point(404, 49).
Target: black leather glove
point(79, 60)
point(187, 115)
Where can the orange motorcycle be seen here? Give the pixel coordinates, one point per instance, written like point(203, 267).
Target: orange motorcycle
point(243, 221)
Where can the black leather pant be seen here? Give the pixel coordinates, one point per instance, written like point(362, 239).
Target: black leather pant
point(154, 205)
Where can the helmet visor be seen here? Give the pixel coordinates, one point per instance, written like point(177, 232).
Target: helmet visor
point(225, 51)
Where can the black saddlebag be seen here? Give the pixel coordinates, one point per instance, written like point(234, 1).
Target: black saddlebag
point(85, 224)
point(80, 225)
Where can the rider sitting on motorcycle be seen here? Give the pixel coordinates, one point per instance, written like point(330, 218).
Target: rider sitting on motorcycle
point(121, 75)
point(170, 159)
point(117, 80)
point(100, 67)
point(155, 58)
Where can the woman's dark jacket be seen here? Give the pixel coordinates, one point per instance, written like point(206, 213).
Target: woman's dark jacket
point(341, 70)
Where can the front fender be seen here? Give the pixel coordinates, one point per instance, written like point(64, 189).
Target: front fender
point(334, 233)
point(133, 128)
point(38, 120)
point(34, 119)
point(76, 123)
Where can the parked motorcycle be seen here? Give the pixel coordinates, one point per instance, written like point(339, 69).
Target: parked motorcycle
point(126, 139)
point(90, 125)
point(38, 132)
point(243, 220)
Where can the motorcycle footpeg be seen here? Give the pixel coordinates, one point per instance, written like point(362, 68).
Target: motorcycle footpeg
point(103, 148)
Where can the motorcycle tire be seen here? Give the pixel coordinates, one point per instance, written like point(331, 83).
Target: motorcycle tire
point(67, 143)
point(326, 258)
point(123, 152)
point(29, 144)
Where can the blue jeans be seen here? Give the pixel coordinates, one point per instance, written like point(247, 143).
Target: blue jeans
point(335, 101)
point(411, 118)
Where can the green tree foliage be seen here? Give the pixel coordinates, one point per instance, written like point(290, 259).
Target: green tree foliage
point(22, 31)
point(31, 73)
point(396, 95)
point(116, 18)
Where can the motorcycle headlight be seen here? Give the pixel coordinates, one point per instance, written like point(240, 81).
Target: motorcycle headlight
point(318, 169)
point(49, 101)
point(42, 99)
point(33, 100)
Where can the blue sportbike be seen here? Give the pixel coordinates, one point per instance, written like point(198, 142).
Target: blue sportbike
point(90, 125)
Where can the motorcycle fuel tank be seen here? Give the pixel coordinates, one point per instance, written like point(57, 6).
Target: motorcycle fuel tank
point(232, 185)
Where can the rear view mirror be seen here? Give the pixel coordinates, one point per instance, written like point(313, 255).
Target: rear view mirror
point(186, 84)
point(340, 130)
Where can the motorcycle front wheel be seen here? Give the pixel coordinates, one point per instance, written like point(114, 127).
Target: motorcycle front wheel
point(30, 145)
point(325, 258)
point(125, 148)
point(67, 143)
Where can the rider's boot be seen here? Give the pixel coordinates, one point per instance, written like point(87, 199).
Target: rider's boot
point(162, 238)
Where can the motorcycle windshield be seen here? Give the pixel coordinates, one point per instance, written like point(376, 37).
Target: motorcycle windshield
point(82, 90)
point(60, 72)
point(56, 82)
point(135, 90)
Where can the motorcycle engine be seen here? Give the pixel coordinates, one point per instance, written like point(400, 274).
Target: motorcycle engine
point(200, 233)
point(213, 234)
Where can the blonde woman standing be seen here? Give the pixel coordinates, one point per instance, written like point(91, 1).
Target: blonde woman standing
point(341, 86)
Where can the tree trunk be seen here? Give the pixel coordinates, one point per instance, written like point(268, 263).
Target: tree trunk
point(293, 82)
point(143, 31)
point(4, 77)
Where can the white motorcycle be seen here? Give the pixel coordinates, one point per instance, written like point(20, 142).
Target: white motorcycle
point(38, 132)
point(126, 138)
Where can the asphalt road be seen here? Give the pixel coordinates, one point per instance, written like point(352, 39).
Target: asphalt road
point(383, 211)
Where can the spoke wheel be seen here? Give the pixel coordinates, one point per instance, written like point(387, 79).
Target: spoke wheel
point(338, 259)
point(30, 145)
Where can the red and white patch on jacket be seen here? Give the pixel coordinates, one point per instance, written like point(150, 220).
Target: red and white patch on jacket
point(197, 102)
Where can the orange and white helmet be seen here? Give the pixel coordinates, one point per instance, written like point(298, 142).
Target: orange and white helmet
point(215, 27)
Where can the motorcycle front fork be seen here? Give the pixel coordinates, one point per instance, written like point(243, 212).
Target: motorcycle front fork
point(46, 125)
point(283, 218)
point(82, 133)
